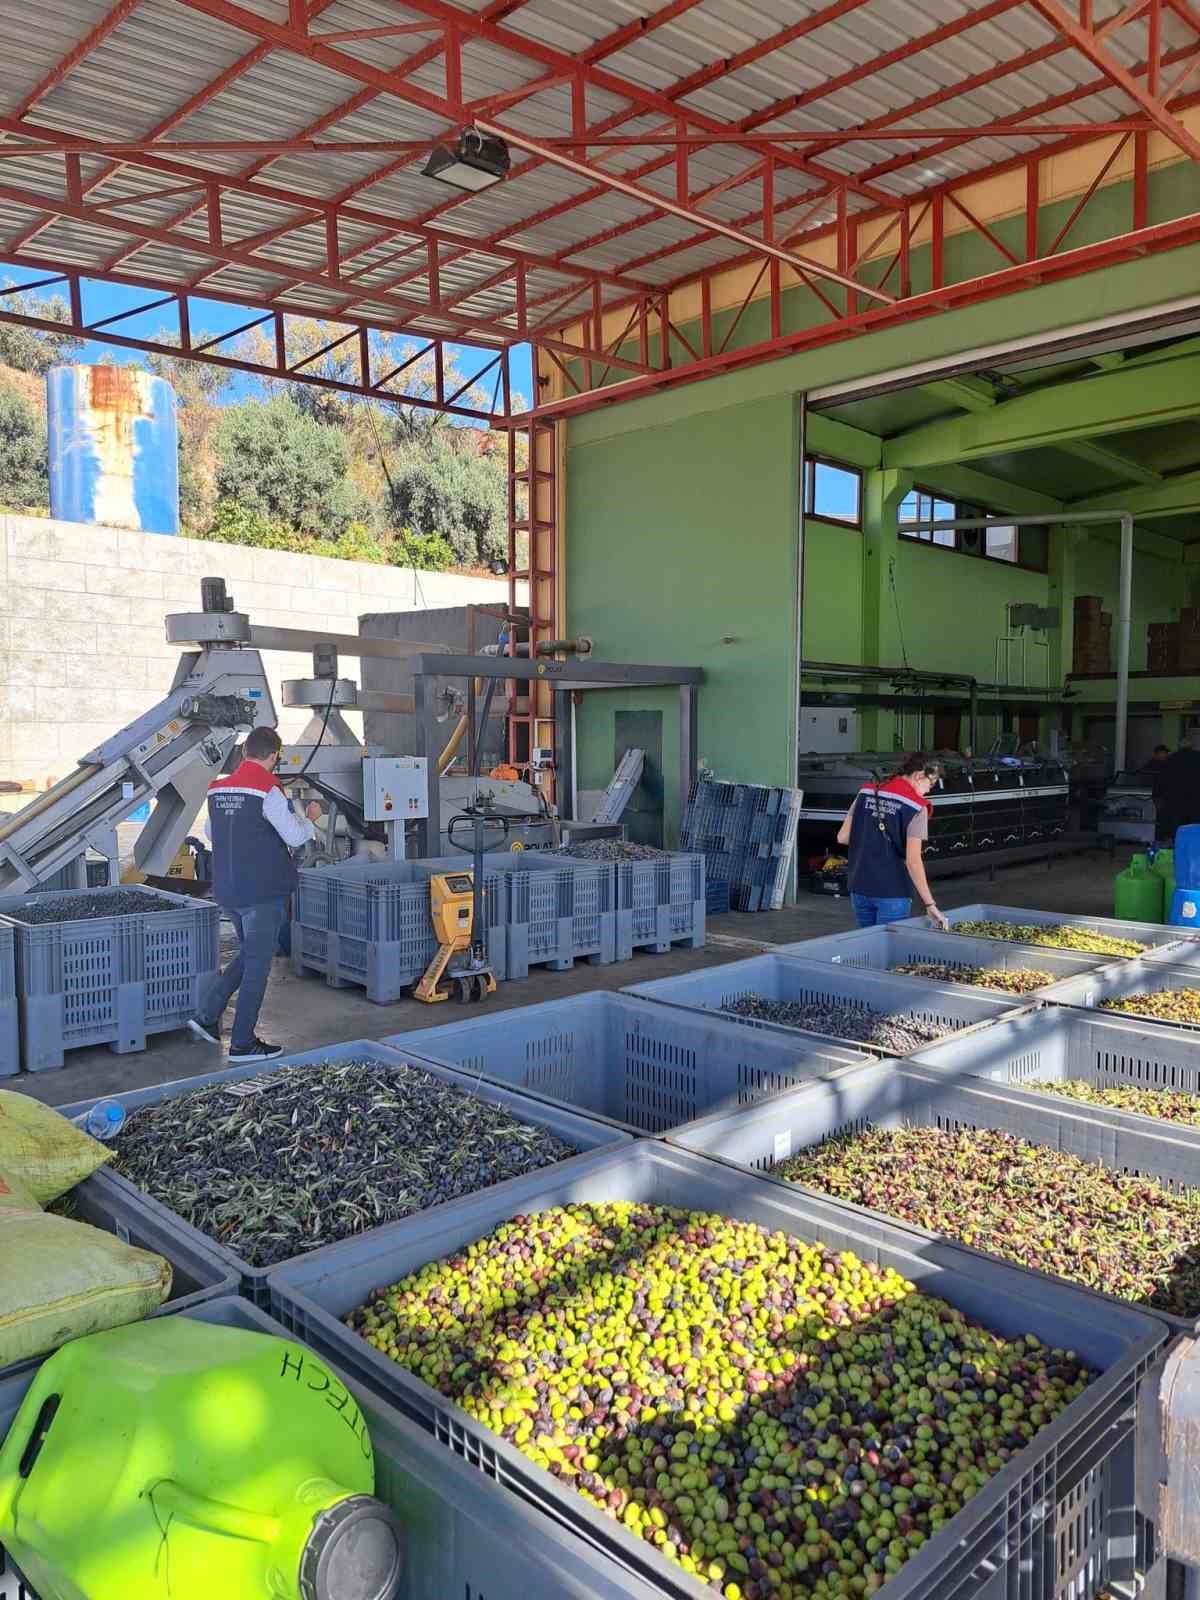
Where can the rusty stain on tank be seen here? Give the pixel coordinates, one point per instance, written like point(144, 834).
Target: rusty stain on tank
point(117, 398)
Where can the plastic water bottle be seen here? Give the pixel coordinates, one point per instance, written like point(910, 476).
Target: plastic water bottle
point(104, 1121)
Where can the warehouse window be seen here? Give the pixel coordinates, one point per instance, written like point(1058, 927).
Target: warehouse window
point(1001, 544)
point(1021, 547)
point(832, 492)
point(923, 505)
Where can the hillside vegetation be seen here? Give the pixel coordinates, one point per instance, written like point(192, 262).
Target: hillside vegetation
point(289, 466)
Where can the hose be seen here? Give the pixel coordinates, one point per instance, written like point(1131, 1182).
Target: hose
point(456, 738)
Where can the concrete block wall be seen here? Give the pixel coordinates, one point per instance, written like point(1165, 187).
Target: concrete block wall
point(82, 646)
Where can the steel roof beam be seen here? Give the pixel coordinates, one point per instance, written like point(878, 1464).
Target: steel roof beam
point(897, 163)
point(672, 208)
point(1087, 41)
point(314, 211)
point(648, 99)
point(66, 65)
point(1086, 408)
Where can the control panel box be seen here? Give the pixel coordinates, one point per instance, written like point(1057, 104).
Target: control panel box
point(395, 788)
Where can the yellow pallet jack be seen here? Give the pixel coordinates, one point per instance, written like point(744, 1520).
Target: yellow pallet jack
point(456, 908)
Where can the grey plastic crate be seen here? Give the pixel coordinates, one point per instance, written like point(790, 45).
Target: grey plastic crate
point(10, 1031)
point(940, 1090)
point(367, 924)
point(1056, 1518)
point(1057, 1043)
point(884, 948)
point(466, 1538)
point(198, 1271)
point(660, 902)
point(1150, 934)
point(642, 1066)
point(949, 1006)
point(585, 1133)
point(1122, 978)
point(559, 910)
point(108, 980)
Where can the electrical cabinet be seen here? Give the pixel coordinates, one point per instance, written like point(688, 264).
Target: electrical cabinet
point(395, 788)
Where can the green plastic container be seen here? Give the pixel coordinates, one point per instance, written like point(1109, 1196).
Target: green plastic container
point(1138, 893)
point(174, 1460)
point(1163, 866)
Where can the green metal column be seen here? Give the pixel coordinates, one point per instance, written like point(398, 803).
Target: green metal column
point(1061, 593)
point(882, 493)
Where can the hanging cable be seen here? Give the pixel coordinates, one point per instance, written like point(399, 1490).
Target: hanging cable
point(324, 728)
point(896, 604)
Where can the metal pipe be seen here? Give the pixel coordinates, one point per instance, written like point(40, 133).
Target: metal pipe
point(1123, 620)
point(1077, 519)
point(46, 799)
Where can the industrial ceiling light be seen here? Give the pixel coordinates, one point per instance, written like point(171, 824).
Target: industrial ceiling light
point(476, 161)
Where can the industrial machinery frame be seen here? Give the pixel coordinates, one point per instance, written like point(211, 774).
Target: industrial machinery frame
point(563, 678)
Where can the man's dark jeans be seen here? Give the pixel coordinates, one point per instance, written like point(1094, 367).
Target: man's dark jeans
point(249, 971)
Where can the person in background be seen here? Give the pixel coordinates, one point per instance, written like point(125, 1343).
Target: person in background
point(254, 830)
point(1177, 789)
point(885, 829)
point(1157, 762)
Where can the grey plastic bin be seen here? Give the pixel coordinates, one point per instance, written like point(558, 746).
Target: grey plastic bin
point(10, 1031)
point(1113, 983)
point(108, 980)
point(1150, 934)
point(892, 1094)
point(948, 1006)
point(885, 948)
point(661, 901)
point(198, 1272)
point(559, 911)
point(585, 1133)
point(367, 924)
point(467, 1538)
point(642, 1066)
point(1054, 1524)
point(1057, 1043)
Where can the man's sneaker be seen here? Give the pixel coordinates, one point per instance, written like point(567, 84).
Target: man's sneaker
point(210, 1032)
point(259, 1050)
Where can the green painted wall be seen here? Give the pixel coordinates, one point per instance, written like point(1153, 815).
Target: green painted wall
point(833, 592)
point(681, 550)
point(681, 542)
point(1160, 587)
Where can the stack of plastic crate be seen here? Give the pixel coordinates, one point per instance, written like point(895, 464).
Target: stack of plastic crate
point(747, 835)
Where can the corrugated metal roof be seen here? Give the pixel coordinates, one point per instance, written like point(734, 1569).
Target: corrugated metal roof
point(172, 71)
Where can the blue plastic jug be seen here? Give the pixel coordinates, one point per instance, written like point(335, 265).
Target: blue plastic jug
point(1185, 909)
point(1187, 857)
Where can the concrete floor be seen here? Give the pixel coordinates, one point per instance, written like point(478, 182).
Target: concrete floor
point(303, 1013)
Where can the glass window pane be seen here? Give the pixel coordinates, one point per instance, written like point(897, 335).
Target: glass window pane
point(835, 492)
point(1001, 543)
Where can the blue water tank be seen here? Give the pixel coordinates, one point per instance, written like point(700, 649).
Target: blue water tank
point(113, 448)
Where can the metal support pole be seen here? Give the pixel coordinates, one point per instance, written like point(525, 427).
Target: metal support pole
point(564, 749)
point(425, 730)
point(687, 743)
point(1123, 619)
point(973, 716)
point(1076, 519)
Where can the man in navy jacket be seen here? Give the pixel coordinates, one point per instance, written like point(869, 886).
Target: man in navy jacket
point(254, 831)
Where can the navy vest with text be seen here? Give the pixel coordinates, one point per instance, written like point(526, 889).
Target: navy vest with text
point(251, 863)
point(878, 839)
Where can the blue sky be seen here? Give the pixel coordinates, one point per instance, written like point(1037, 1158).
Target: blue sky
point(101, 300)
